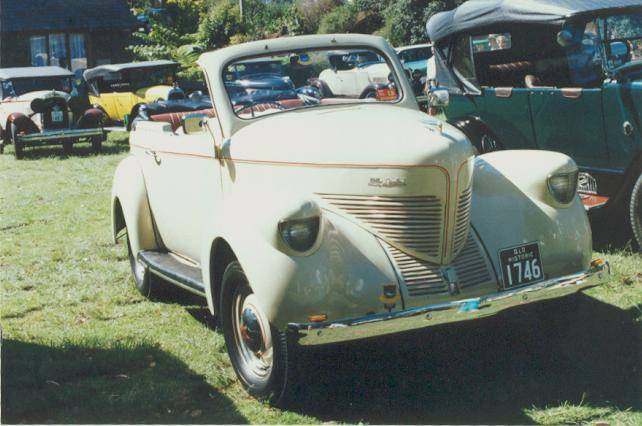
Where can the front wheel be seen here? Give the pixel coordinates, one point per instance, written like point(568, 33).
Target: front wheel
point(17, 145)
point(67, 147)
point(258, 352)
point(142, 275)
point(635, 212)
point(97, 144)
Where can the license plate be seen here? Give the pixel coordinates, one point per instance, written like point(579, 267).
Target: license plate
point(56, 116)
point(521, 265)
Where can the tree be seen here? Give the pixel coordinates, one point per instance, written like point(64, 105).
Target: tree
point(406, 19)
point(341, 19)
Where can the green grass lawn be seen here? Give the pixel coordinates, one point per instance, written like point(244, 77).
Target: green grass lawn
point(81, 346)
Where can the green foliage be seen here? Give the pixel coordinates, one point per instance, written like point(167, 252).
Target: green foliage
point(222, 21)
point(406, 19)
point(169, 30)
point(341, 19)
point(311, 12)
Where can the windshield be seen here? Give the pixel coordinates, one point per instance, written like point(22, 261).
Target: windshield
point(306, 79)
point(135, 79)
point(248, 68)
point(626, 28)
point(18, 87)
point(414, 55)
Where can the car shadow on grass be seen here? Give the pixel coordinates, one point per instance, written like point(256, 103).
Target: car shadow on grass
point(489, 371)
point(126, 383)
point(79, 150)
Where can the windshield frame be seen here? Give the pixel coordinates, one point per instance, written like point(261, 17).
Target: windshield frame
point(9, 86)
point(401, 95)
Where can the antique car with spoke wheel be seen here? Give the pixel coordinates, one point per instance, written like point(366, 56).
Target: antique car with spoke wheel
point(560, 77)
point(38, 107)
point(380, 220)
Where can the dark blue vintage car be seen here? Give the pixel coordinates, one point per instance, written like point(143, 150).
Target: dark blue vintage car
point(262, 80)
point(555, 75)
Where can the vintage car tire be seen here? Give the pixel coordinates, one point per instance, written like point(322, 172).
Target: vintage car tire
point(67, 147)
point(97, 144)
point(17, 146)
point(261, 380)
point(635, 212)
point(142, 275)
point(480, 136)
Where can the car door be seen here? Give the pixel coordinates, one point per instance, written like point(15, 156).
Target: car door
point(182, 176)
point(570, 120)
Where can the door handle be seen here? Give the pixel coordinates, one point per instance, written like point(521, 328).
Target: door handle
point(157, 159)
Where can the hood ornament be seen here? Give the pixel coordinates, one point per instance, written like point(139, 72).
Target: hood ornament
point(387, 182)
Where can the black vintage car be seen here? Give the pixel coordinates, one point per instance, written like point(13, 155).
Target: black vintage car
point(555, 75)
point(38, 107)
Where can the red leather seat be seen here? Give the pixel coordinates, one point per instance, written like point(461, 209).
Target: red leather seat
point(176, 118)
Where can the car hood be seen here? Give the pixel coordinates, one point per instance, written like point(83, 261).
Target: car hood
point(352, 135)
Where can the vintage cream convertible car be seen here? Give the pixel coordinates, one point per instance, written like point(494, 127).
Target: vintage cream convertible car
point(309, 221)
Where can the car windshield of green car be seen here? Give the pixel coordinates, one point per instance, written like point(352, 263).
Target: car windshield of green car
point(626, 28)
point(20, 86)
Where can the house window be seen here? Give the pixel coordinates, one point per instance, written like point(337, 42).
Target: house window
point(58, 50)
point(78, 53)
point(39, 55)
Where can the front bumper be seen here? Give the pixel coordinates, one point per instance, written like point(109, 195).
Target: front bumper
point(58, 135)
point(445, 313)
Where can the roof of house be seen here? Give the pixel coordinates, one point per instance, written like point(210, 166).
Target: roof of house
point(102, 70)
point(33, 72)
point(53, 15)
point(475, 14)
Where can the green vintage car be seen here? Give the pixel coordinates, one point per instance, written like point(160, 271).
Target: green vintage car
point(552, 75)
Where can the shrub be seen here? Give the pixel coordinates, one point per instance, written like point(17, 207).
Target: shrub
point(341, 19)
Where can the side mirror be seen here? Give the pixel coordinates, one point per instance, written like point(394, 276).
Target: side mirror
point(194, 123)
point(438, 98)
point(619, 50)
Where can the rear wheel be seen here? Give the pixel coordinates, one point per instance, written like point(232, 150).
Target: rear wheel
point(635, 212)
point(258, 351)
point(17, 145)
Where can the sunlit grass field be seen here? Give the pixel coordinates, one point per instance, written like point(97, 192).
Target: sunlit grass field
point(79, 345)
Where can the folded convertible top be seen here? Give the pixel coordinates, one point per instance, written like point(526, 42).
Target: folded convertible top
point(486, 13)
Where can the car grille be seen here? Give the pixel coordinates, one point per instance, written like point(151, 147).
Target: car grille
point(423, 278)
point(462, 219)
point(414, 223)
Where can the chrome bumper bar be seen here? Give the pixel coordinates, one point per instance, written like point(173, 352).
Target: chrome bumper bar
point(445, 313)
point(50, 135)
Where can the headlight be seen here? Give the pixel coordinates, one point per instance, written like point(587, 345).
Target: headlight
point(563, 186)
point(300, 234)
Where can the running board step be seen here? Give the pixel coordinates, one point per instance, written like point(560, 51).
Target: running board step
point(173, 270)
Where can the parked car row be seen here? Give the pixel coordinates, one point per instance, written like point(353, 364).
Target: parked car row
point(312, 213)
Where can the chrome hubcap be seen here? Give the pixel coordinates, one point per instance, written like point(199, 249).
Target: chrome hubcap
point(252, 335)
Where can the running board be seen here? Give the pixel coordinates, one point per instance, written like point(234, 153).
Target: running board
point(173, 270)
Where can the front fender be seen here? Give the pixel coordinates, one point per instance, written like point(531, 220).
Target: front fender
point(130, 194)
point(22, 122)
point(92, 118)
point(342, 278)
point(511, 206)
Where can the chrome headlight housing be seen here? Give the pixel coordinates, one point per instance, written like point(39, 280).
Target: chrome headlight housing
point(563, 186)
point(300, 234)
